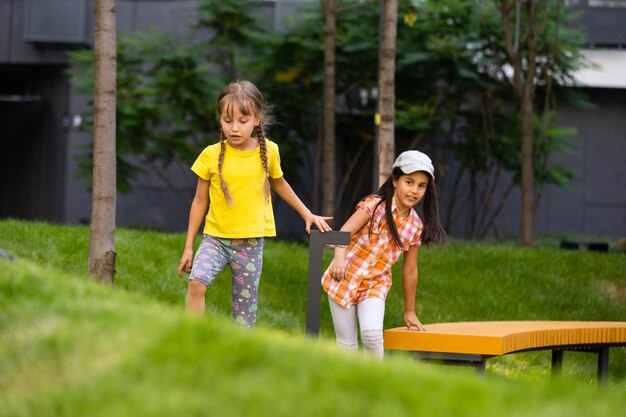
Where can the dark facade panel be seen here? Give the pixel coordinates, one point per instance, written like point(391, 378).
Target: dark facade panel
point(603, 22)
point(595, 202)
point(5, 29)
point(59, 23)
point(173, 17)
point(17, 50)
point(605, 149)
point(32, 162)
point(605, 221)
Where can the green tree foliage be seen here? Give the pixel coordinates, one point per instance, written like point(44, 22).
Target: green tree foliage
point(465, 98)
point(451, 93)
point(453, 97)
point(294, 81)
point(163, 111)
point(167, 88)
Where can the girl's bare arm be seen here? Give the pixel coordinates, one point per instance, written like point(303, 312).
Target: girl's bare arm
point(409, 284)
point(285, 192)
point(196, 215)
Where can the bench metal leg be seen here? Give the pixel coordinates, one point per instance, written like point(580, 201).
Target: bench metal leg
point(557, 362)
point(463, 359)
point(603, 363)
point(480, 368)
point(603, 366)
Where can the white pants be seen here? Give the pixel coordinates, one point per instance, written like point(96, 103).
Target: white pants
point(370, 314)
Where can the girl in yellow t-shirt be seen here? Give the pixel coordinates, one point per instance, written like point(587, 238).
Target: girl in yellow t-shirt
point(235, 175)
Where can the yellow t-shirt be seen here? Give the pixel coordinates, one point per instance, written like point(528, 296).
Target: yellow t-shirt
point(252, 214)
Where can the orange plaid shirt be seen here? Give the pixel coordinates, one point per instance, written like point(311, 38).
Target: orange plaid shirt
point(371, 255)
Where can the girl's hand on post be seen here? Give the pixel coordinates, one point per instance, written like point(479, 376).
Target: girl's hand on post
point(412, 322)
point(319, 221)
point(185, 262)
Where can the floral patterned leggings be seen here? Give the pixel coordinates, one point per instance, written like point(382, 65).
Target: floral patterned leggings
point(245, 257)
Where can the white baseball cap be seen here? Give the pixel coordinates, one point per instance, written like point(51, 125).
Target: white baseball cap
point(412, 161)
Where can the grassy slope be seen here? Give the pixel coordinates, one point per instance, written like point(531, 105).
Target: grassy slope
point(56, 345)
point(69, 347)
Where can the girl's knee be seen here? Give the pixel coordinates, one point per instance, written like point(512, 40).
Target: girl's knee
point(372, 339)
point(195, 287)
point(373, 343)
point(347, 345)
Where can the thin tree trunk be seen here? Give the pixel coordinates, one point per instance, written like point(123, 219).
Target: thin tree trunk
point(452, 198)
point(527, 178)
point(352, 165)
point(102, 230)
point(386, 90)
point(431, 115)
point(528, 110)
point(317, 162)
point(523, 49)
point(491, 187)
point(329, 173)
point(356, 186)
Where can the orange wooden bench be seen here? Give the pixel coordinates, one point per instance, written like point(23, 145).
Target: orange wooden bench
point(475, 342)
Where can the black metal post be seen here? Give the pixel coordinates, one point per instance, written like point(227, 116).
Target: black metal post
point(317, 242)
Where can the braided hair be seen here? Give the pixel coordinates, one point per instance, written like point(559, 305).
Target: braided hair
point(247, 97)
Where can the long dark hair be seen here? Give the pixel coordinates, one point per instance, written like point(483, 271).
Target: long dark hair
point(433, 231)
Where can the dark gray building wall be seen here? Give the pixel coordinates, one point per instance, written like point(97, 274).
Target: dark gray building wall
point(42, 183)
point(596, 202)
point(169, 16)
point(33, 100)
point(152, 204)
point(33, 146)
point(14, 48)
point(38, 160)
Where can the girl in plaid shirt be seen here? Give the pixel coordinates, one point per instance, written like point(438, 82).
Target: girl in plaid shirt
point(383, 226)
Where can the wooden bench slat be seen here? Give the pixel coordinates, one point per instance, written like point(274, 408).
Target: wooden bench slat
point(503, 337)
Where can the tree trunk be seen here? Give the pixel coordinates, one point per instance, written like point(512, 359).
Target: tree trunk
point(386, 90)
point(329, 174)
point(521, 49)
point(528, 109)
point(527, 174)
point(102, 230)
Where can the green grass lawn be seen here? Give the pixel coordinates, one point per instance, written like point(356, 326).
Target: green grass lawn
point(69, 347)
